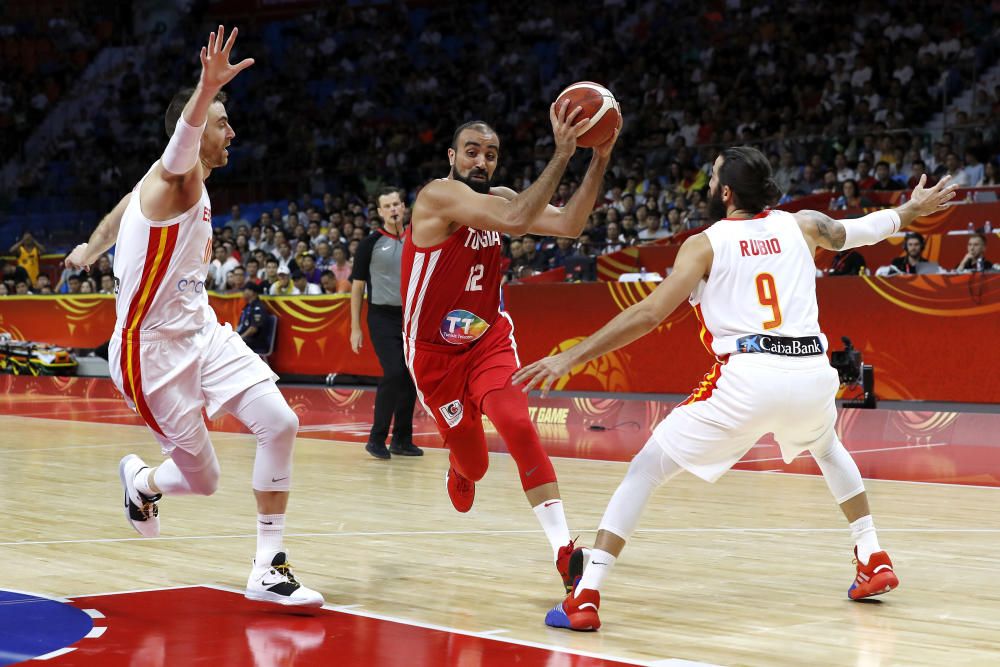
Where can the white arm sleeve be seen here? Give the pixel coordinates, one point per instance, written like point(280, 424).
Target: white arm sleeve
point(870, 229)
point(181, 154)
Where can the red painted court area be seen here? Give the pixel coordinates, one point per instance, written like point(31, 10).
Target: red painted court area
point(208, 626)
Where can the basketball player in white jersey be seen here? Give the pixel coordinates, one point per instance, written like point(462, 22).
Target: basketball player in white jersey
point(751, 278)
point(169, 355)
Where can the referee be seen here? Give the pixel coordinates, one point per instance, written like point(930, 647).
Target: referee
point(376, 265)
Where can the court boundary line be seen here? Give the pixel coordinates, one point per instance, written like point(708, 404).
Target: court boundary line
point(486, 532)
point(74, 598)
point(355, 611)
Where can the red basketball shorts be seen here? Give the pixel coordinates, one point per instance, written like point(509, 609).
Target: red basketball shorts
point(452, 380)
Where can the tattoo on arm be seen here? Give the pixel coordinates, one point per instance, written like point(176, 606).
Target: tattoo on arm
point(831, 230)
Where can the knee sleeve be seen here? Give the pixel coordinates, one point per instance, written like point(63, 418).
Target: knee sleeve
point(507, 408)
point(467, 450)
point(265, 412)
point(192, 467)
point(650, 468)
point(839, 470)
point(190, 473)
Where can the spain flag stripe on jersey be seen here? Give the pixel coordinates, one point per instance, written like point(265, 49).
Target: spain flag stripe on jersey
point(159, 250)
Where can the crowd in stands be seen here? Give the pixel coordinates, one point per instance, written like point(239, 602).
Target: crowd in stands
point(344, 101)
point(44, 48)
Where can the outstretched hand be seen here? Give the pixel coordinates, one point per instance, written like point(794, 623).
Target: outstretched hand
point(926, 201)
point(544, 372)
point(215, 68)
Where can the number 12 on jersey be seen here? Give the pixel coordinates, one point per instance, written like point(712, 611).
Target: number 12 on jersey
point(475, 275)
point(767, 295)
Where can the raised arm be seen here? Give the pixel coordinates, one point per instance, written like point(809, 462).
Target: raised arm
point(18, 244)
point(821, 230)
point(693, 262)
point(449, 201)
point(177, 178)
point(569, 220)
point(101, 240)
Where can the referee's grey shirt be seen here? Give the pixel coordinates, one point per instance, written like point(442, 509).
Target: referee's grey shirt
point(377, 261)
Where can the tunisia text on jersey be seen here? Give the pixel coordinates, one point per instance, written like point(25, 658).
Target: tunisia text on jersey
point(451, 291)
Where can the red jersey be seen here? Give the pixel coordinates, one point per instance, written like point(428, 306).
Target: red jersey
point(451, 291)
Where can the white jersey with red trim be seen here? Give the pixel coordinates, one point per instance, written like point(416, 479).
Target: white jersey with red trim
point(762, 281)
point(160, 269)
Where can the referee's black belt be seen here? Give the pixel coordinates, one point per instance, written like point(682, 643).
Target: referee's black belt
point(389, 310)
point(784, 346)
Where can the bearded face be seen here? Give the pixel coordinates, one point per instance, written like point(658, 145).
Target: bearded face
point(476, 178)
point(716, 207)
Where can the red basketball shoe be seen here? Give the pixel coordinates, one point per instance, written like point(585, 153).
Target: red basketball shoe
point(576, 612)
point(875, 578)
point(461, 490)
point(570, 562)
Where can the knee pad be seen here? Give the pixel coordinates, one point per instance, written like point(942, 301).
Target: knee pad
point(265, 412)
point(649, 469)
point(839, 470)
point(507, 408)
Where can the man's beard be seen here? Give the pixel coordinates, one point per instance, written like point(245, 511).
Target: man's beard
point(716, 207)
point(482, 187)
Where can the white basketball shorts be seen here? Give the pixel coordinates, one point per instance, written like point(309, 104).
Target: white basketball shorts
point(743, 399)
point(168, 380)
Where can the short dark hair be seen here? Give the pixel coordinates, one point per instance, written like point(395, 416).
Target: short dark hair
point(748, 174)
point(881, 163)
point(464, 126)
point(918, 236)
point(178, 103)
point(388, 191)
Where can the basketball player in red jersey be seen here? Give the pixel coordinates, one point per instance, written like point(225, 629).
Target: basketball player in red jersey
point(459, 344)
point(170, 357)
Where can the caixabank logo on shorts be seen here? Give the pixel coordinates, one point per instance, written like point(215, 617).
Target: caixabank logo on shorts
point(452, 413)
point(460, 326)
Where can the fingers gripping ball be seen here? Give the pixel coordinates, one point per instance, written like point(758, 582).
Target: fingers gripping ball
point(599, 105)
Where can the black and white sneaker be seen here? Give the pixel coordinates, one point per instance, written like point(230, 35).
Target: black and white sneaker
point(140, 510)
point(275, 582)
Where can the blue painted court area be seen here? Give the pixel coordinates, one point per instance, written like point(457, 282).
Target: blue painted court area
point(31, 626)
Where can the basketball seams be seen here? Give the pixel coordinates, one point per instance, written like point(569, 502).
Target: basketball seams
point(596, 101)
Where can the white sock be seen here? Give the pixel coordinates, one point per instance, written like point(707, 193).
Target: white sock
point(596, 571)
point(141, 482)
point(863, 532)
point(270, 537)
point(553, 519)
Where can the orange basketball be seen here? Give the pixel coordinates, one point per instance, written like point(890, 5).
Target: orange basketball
point(599, 105)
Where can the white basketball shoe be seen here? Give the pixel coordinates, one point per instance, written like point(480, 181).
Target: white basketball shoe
point(141, 511)
point(274, 582)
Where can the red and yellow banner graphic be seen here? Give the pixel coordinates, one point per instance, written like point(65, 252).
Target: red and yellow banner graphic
point(929, 337)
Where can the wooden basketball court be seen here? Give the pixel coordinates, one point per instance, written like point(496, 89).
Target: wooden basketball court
point(750, 571)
